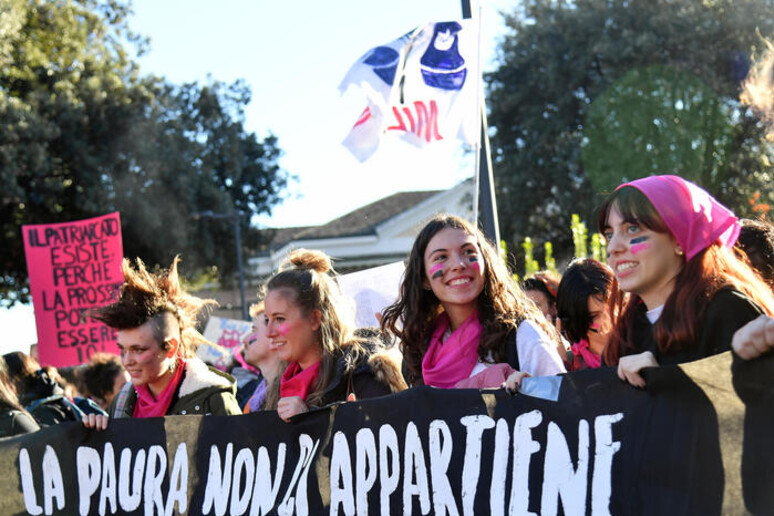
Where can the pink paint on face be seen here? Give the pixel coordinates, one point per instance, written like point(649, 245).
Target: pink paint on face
point(283, 329)
point(638, 248)
point(435, 268)
point(475, 265)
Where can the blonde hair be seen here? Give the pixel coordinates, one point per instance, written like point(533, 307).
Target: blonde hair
point(758, 88)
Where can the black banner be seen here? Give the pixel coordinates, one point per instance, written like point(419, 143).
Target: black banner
point(694, 442)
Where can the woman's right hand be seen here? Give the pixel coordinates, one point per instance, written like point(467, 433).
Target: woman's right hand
point(629, 367)
point(513, 382)
point(97, 421)
point(290, 406)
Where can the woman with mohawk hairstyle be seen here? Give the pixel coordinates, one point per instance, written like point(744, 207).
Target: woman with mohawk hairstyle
point(155, 320)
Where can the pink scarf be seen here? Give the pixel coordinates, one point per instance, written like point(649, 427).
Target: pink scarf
point(446, 363)
point(298, 382)
point(591, 360)
point(148, 406)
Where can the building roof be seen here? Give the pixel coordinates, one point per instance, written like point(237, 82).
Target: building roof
point(362, 221)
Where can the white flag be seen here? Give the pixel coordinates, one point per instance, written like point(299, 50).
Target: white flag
point(421, 87)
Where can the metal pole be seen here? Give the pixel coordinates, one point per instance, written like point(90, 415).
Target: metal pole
point(487, 204)
point(238, 231)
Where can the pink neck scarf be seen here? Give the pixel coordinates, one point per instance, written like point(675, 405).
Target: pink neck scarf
point(148, 406)
point(693, 216)
point(446, 363)
point(298, 382)
point(591, 360)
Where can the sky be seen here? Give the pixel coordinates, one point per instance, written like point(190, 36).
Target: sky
point(293, 55)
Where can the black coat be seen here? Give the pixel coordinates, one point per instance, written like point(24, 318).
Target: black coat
point(727, 311)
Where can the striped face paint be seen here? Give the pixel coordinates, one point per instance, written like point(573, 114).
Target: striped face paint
point(474, 262)
point(639, 244)
point(436, 271)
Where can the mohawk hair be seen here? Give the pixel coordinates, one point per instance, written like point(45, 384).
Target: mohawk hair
point(146, 296)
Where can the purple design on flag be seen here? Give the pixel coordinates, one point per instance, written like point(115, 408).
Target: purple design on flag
point(442, 65)
point(384, 61)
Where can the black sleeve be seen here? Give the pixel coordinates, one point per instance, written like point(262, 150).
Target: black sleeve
point(23, 424)
point(365, 385)
point(728, 311)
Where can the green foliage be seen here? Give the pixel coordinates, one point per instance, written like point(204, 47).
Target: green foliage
point(82, 134)
point(549, 257)
point(594, 92)
point(531, 265)
point(579, 236)
point(598, 248)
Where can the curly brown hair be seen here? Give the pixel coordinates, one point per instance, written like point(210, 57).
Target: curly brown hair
point(502, 305)
point(157, 298)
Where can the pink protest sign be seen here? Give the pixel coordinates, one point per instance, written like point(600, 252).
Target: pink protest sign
point(73, 266)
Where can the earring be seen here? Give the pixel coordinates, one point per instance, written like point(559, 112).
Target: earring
point(679, 252)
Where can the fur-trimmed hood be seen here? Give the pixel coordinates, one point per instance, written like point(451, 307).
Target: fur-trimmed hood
point(199, 376)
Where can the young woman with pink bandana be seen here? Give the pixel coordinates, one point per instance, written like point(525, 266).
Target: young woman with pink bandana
point(461, 319)
point(669, 244)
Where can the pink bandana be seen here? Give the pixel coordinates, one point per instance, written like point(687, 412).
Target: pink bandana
point(147, 406)
point(693, 216)
point(298, 382)
point(591, 360)
point(446, 363)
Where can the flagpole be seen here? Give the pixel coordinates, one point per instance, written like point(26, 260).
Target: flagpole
point(485, 204)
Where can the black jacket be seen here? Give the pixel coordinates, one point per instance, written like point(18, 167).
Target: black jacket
point(727, 311)
point(374, 374)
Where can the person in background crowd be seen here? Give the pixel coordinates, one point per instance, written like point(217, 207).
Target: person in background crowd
point(541, 288)
point(154, 318)
point(247, 376)
point(41, 395)
point(756, 241)
point(71, 391)
point(259, 353)
point(102, 378)
point(669, 242)
point(311, 330)
point(461, 319)
point(14, 420)
point(586, 293)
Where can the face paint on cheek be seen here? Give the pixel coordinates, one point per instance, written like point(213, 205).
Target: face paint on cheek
point(474, 262)
point(639, 246)
point(283, 329)
point(436, 271)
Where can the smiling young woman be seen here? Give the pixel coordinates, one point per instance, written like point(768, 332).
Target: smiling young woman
point(459, 313)
point(309, 327)
point(668, 242)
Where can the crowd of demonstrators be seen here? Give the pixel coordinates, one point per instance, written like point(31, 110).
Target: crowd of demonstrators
point(259, 353)
point(40, 394)
point(154, 318)
point(311, 328)
point(461, 319)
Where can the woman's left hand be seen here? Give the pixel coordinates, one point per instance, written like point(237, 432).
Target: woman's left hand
point(291, 406)
point(629, 367)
